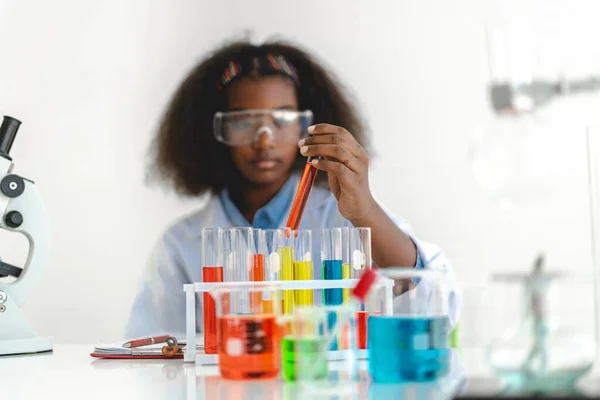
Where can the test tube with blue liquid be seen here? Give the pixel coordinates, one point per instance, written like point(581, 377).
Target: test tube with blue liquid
point(412, 344)
point(331, 258)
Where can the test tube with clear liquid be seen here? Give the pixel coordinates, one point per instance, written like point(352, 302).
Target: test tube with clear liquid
point(243, 251)
point(273, 240)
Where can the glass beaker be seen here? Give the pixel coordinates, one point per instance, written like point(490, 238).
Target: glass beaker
point(249, 339)
point(304, 350)
point(412, 344)
point(212, 271)
point(548, 343)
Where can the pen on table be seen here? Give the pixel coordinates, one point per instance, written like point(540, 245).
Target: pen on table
point(146, 341)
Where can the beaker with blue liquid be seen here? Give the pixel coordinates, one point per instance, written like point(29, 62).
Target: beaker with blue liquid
point(411, 345)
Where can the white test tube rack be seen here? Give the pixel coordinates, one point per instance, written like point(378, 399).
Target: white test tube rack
point(385, 286)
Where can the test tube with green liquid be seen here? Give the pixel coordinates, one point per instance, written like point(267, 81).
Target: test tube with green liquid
point(303, 266)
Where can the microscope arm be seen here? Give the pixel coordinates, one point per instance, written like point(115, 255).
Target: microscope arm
point(36, 228)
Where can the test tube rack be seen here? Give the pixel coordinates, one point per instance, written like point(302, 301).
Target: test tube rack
point(383, 291)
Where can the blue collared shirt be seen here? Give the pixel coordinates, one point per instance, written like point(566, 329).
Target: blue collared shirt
point(267, 217)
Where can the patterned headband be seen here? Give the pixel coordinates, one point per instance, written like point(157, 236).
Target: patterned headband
point(269, 64)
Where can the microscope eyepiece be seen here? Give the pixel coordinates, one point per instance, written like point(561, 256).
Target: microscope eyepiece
point(8, 132)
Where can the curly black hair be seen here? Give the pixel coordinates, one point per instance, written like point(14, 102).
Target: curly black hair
point(184, 152)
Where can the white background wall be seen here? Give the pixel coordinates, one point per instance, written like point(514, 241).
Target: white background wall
point(89, 80)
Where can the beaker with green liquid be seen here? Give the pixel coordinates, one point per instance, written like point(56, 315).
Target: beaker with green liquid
point(304, 353)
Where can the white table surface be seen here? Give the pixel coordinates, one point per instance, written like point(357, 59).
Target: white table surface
point(70, 372)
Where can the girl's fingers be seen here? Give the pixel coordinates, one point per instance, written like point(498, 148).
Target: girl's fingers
point(332, 152)
point(335, 168)
point(331, 134)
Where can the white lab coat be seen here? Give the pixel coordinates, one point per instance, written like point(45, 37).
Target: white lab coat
point(159, 306)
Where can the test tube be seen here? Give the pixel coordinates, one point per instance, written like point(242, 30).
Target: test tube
point(346, 270)
point(303, 266)
point(212, 271)
point(359, 257)
point(331, 256)
point(273, 239)
point(286, 255)
point(304, 188)
point(258, 266)
point(243, 251)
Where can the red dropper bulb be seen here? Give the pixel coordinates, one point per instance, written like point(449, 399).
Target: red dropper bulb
point(364, 284)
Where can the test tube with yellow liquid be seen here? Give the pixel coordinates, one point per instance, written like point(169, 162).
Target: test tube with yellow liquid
point(286, 257)
point(346, 269)
point(303, 266)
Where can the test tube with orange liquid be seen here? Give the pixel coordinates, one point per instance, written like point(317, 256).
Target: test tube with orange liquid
point(212, 271)
point(249, 340)
point(304, 188)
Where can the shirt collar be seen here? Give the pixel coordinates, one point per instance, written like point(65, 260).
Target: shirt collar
point(267, 217)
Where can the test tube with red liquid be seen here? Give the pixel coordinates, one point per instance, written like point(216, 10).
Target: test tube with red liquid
point(212, 271)
point(304, 188)
point(359, 258)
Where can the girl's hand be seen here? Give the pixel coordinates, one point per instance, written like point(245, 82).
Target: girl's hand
point(346, 164)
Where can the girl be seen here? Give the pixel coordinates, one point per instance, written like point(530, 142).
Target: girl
point(232, 130)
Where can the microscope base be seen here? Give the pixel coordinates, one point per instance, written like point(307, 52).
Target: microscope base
point(26, 346)
point(17, 336)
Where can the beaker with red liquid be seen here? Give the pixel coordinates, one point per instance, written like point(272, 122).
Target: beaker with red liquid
point(249, 339)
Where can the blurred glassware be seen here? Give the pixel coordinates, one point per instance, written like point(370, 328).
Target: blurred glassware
point(551, 345)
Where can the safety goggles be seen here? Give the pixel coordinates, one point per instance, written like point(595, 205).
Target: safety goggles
point(241, 128)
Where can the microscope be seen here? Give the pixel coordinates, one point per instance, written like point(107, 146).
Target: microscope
point(22, 211)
